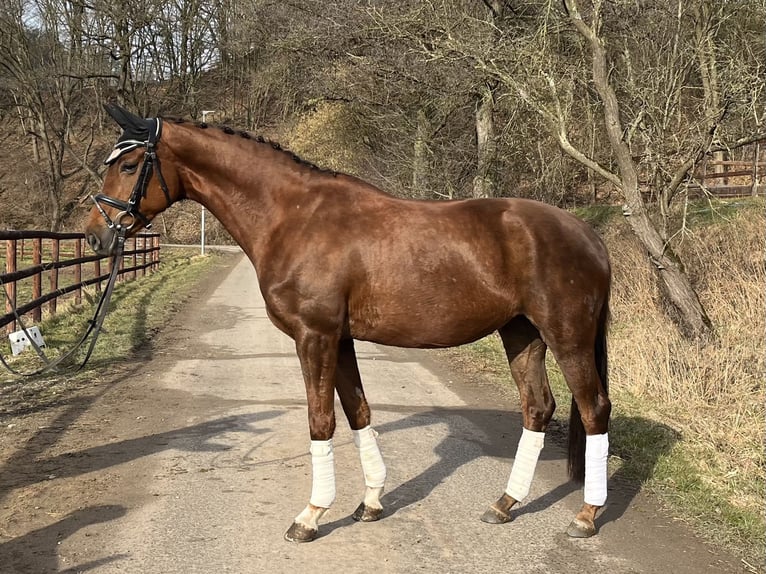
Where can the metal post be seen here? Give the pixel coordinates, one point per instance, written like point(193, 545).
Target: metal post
point(202, 234)
point(202, 222)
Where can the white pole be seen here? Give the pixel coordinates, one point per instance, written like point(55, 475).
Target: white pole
point(202, 234)
point(202, 222)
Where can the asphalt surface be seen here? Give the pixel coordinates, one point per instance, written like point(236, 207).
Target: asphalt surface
point(198, 461)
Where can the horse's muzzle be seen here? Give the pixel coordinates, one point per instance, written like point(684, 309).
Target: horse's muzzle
point(103, 241)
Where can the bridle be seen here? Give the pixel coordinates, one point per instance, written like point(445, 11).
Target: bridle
point(130, 209)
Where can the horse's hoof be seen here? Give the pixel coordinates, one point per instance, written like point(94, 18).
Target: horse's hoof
point(300, 533)
point(581, 529)
point(364, 513)
point(493, 516)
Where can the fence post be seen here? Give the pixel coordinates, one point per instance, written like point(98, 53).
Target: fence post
point(37, 279)
point(10, 288)
point(97, 273)
point(78, 271)
point(155, 252)
point(55, 247)
point(133, 273)
point(143, 255)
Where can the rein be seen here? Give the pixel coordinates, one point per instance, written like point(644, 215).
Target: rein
point(129, 210)
point(96, 322)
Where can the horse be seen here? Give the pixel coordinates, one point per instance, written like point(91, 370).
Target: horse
point(339, 260)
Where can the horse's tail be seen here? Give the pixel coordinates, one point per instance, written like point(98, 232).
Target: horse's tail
point(576, 428)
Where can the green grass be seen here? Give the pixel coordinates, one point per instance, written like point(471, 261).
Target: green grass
point(703, 212)
point(599, 216)
point(138, 310)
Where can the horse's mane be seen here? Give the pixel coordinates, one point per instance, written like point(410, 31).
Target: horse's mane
point(257, 139)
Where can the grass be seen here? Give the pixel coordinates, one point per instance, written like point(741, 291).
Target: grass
point(138, 311)
point(688, 419)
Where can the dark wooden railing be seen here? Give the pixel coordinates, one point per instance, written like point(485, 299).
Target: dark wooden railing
point(31, 255)
point(732, 178)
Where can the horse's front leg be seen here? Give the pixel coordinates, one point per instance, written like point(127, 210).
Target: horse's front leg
point(318, 356)
point(351, 393)
point(526, 356)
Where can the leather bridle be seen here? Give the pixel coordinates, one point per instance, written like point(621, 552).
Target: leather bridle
point(128, 209)
point(131, 209)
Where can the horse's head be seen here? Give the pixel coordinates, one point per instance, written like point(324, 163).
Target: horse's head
point(135, 188)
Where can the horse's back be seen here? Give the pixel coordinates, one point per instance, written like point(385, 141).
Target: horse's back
point(445, 273)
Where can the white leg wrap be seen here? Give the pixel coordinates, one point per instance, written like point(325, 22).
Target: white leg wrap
point(530, 445)
point(369, 453)
point(596, 454)
point(372, 496)
point(323, 473)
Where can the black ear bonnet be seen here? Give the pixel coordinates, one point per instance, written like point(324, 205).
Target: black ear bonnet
point(136, 131)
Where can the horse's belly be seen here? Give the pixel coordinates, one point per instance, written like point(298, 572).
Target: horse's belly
point(429, 323)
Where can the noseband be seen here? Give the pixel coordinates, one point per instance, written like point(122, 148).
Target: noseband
point(130, 209)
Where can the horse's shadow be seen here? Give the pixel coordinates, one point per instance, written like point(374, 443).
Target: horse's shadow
point(37, 551)
point(471, 433)
point(500, 432)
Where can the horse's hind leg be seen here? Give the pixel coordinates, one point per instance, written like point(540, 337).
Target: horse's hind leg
point(590, 416)
point(349, 386)
point(578, 340)
point(526, 356)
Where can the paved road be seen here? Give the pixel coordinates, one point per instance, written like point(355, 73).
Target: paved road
point(198, 463)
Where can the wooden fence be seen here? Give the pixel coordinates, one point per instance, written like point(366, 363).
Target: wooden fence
point(30, 255)
point(731, 178)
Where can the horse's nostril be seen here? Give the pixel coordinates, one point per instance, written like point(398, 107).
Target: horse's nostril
point(94, 242)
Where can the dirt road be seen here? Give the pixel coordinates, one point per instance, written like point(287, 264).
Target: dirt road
point(195, 459)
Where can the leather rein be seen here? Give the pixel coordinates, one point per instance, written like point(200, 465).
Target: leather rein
point(129, 210)
point(94, 327)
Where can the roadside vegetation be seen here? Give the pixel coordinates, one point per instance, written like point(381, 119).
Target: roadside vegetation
point(688, 417)
point(138, 311)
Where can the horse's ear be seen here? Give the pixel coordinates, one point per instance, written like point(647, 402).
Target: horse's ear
point(129, 122)
point(135, 130)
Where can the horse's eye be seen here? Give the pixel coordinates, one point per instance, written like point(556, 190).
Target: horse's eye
point(128, 167)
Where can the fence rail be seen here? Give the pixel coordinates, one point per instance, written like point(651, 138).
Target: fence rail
point(31, 255)
point(731, 178)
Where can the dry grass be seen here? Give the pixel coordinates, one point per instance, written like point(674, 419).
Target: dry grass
point(712, 394)
point(314, 137)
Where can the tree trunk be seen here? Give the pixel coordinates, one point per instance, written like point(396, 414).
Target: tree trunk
point(420, 156)
point(684, 306)
point(681, 302)
point(756, 155)
point(708, 69)
point(486, 147)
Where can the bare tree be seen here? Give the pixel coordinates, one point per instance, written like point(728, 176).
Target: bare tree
point(486, 144)
point(691, 315)
point(45, 66)
point(653, 124)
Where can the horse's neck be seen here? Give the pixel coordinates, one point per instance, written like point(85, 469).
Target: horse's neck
point(236, 191)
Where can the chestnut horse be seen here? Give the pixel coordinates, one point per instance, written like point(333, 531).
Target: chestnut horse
point(337, 260)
